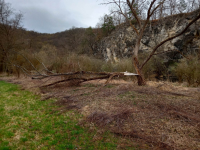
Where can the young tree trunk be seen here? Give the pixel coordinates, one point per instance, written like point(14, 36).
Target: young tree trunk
point(140, 77)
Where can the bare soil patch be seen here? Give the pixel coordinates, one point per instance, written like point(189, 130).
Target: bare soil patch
point(160, 115)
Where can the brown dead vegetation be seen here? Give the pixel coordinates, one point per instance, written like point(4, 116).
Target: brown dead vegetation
point(157, 116)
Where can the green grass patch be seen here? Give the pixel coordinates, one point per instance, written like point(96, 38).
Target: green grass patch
point(28, 123)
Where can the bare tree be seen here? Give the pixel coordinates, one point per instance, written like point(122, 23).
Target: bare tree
point(151, 8)
point(9, 25)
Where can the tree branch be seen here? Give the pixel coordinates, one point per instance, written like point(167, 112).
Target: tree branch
point(163, 42)
point(173, 50)
point(134, 12)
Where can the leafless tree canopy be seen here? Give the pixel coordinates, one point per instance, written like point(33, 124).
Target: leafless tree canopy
point(10, 23)
point(120, 9)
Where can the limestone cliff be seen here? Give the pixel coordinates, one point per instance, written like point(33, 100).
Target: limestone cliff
point(120, 42)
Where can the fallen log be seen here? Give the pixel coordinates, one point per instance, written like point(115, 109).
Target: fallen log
point(100, 75)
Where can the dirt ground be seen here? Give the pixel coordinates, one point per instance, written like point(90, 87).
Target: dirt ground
point(160, 115)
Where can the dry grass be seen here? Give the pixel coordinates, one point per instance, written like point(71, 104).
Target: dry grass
point(160, 115)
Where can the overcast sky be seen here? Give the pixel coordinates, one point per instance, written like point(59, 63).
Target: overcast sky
point(50, 16)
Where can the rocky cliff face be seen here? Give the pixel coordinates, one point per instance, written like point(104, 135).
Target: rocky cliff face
point(119, 43)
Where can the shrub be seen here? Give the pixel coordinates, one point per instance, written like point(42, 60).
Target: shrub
point(120, 66)
point(74, 62)
point(20, 59)
point(125, 64)
point(48, 55)
point(189, 70)
point(155, 67)
point(107, 66)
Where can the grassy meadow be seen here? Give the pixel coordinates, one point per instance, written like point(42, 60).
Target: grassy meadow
point(26, 122)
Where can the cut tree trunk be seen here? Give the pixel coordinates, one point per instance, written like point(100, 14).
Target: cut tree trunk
point(140, 77)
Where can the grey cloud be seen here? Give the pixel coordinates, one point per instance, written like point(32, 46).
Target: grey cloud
point(50, 16)
point(43, 21)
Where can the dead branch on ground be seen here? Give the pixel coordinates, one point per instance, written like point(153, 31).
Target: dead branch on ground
point(81, 79)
